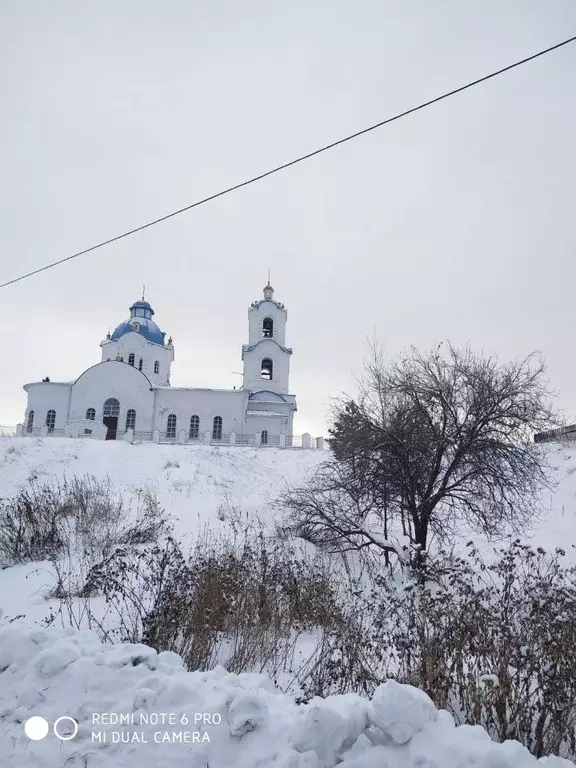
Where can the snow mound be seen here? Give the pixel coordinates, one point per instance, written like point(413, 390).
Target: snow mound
point(400, 711)
point(134, 706)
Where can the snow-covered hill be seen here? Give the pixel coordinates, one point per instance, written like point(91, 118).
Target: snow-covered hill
point(196, 485)
point(52, 673)
point(190, 481)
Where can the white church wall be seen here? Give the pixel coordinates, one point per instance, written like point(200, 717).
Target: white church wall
point(113, 379)
point(267, 400)
point(143, 350)
point(204, 403)
point(256, 317)
point(253, 367)
point(85, 428)
point(45, 396)
point(275, 426)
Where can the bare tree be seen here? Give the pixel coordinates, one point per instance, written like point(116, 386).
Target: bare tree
point(433, 439)
point(339, 511)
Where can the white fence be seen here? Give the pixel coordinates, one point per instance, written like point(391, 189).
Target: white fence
point(79, 430)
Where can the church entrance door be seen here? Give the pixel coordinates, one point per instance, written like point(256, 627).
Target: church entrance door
point(112, 423)
point(110, 414)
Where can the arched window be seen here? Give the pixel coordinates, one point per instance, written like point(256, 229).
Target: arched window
point(51, 420)
point(266, 370)
point(131, 419)
point(140, 364)
point(30, 423)
point(194, 427)
point(268, 328)
point(217, 428)
point(156, 367)
point(171, 426)
point(91, 414)
point(264, 437)
point(111, 407)
point(131, 358)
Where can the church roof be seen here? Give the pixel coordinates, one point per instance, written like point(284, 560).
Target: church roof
point(258, 304)
point(141, 322)
point(250, 347)
point(268, 298)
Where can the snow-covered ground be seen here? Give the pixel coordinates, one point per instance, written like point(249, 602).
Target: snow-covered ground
point(191, 481)
point(196, 485)
point(199, 485)
point(52, 673)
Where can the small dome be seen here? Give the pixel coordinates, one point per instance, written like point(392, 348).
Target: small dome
point(145, 305)
point(140, 322)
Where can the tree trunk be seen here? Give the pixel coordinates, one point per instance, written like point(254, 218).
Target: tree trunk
point(420, 520)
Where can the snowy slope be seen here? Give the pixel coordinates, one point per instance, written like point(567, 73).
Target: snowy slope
point(51, 673)
point(192, 491)
point(195, 483)
point(202, 479)
point(192, 483)
point(556, 528)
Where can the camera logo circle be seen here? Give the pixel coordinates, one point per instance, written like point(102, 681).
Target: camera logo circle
point(36, 728)
point(67, 733)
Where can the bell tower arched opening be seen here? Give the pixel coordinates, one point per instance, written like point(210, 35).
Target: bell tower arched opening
point(268, 328)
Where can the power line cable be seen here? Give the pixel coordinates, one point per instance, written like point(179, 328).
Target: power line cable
point(296, 160)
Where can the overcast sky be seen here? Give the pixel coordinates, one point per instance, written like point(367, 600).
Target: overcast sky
point(455, 223)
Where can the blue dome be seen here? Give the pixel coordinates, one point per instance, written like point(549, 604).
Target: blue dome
point(142, 305)
point(140, 322)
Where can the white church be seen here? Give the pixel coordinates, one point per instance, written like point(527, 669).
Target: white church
point(128, 393)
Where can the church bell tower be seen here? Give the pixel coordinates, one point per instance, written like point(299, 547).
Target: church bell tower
point(266, 357)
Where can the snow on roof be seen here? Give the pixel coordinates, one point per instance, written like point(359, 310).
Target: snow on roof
point(199, 389)
point(57, 383)
point(264, 413)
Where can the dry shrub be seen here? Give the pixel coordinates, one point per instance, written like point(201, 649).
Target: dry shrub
point(31, 525)
point(248, 602)
point(44, 522)
point(492, 642)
